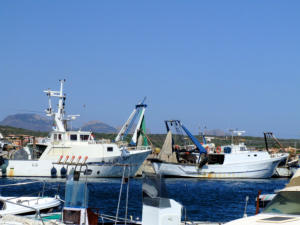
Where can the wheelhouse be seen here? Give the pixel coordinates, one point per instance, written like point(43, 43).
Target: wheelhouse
point(72, 136)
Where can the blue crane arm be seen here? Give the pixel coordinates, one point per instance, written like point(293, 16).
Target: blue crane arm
point(194, 140)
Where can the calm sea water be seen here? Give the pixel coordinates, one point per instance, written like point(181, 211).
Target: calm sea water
point(204, 200)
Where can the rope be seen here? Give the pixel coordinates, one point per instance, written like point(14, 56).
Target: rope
point(148, 139)
point(17, 184)
point(127, 194)
point(120, 194)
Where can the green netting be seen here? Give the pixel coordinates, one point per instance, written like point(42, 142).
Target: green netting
point(144, 132)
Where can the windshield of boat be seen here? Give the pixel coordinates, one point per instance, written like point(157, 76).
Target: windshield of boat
point(287, 202)
point(76, 194)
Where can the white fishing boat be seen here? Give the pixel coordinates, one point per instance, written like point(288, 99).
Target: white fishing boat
point(231, 161)
point(77, 148)
point(27, 205)
point(283, 209)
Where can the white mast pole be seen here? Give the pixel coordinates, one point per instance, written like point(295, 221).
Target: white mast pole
point(60, 111)
point(58, 116)
point(134, 137)
point(125, 126)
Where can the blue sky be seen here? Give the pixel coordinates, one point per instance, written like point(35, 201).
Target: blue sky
point(220, 64)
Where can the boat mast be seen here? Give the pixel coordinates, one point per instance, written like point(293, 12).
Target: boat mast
point(238, 133)
point(59, 115)
point(138, 127)
point(123, 132)
point(138, 110)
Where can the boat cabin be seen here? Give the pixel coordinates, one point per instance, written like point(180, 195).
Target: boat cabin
point(228, 149)
point(72, 136)
point(235, 153)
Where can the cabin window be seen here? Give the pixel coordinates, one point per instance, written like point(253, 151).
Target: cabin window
point(243, 149)
point(110, 149)
point(216, 159)
point(55, 137)
point(2, 205)
point(84, 137)
point(59, 137)
point(255, 155)
point(227, 150)
point(73, 137)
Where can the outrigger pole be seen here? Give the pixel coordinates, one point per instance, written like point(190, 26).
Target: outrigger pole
point(139, 110)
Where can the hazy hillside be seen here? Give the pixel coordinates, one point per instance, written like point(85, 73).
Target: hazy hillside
point(7, 130)
point(36, 125)
point(28, 121)
point(36, 122)
point(158, 139)
point(98, 127)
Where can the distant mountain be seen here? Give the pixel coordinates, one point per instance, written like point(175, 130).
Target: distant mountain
point(28, 121)
point(36, 122)
point(98, 127)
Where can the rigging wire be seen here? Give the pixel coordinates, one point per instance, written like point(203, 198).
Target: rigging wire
point(120, 194)
point(127, 194)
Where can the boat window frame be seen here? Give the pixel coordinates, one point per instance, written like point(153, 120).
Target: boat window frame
point(87, 136)
point(73, 135)
point(242, 148)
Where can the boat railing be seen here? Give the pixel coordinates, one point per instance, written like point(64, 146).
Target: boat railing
point(251, 149)
point(139, 148)
point(40, 193)
point(37, 211)
point(29, 200)
point(104, 217)
point(102, 141)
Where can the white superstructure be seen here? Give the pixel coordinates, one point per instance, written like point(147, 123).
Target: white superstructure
point(103, 159)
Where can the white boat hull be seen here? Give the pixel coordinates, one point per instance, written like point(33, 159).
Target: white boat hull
point(42, 168)
point(258, 169)
point(24, 205)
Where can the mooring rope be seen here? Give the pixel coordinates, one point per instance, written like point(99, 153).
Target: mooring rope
point(8, 185)
point(120, 194)
point(127, 194)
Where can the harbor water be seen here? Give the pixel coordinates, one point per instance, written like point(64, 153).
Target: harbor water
point(204, 200)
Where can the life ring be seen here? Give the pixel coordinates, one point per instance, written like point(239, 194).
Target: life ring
point(218, 149)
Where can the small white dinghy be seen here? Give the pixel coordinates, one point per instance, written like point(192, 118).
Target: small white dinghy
point(27, 205)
